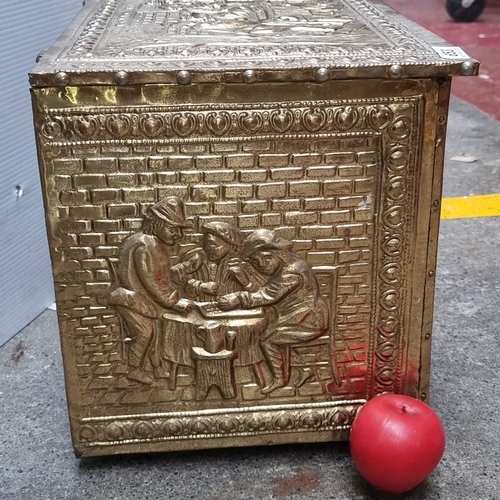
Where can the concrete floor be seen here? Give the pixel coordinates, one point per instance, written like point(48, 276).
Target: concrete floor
point(37, 461)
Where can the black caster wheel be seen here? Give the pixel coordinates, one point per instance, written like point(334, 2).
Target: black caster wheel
point(465, 11)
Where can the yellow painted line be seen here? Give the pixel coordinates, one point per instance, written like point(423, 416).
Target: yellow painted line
point(466, 207)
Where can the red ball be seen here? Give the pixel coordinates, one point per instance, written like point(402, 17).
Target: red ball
point(396, 442)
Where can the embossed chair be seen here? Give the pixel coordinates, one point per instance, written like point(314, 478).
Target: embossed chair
point(298, 357)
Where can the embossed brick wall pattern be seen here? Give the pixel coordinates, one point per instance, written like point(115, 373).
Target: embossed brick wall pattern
point(314, 195)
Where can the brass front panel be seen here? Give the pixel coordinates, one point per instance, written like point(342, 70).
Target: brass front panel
point(331, 183)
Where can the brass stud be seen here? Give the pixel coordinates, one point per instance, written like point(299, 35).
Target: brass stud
point(322, 74)
point(467, 68)
point(395, 71)
point(432, 274)
point(62, 79)
point(184, 77)
point(423, 395)
point(249, 76)
point(427, 336)
point(122, 78)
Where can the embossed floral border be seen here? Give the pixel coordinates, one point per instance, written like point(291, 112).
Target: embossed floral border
point(211, 424)
point(159, 125)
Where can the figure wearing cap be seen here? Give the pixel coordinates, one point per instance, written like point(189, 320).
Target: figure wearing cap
point(292, 290)
point(144, 288)
point(216, 269)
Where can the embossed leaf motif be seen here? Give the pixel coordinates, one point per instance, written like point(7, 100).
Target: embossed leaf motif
point(388, 328)
point(314, 119)
point(118, 125)
point(228, 425)
point(396, 188)
point(151, 125)
point(284, 421)
point(281, 121)
point(251, 123)
point(390, 273)
point(218, 123)
point(113, 432)
point(87, 433)
point(379, 117)
point(142, 430)
point(256, 424)
point(340, 418)
point(393, 245)
point(172, 427)
point(387, 351)
point(397, 159)
point(345, 118)
point(393, 217)
point(400, 129)
point(389, 300)
point(200, 427)
point(386, 375)
point(85, 126)
point(312, 420)
point(184, 125)
point(52, 129)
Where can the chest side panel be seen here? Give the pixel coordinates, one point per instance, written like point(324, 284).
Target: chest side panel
point(334, 171)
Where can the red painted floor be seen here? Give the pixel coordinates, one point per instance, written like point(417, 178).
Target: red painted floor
point(480, 39)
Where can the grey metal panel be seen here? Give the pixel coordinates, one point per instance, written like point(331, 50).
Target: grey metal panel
point(26, 286)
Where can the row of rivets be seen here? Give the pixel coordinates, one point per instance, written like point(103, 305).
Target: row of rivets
point(467, 69)
point(184, 77)
point(250, 76)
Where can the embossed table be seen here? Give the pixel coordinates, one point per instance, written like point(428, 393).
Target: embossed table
point(277, 155)
point(181, 340)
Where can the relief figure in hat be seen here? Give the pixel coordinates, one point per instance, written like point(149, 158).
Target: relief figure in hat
point(143, 286)
point(291, 290)
point(216, 269)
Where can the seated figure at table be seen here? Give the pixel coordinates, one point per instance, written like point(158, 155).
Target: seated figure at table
point(216, 269)
point(144, 290)
point(292, 290)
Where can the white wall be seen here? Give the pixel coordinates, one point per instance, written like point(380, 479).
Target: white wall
point(26, 288)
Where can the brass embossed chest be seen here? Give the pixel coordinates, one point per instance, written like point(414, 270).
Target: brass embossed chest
point(242, 204)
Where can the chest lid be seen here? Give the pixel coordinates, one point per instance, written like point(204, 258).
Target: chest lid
point(193, 41)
